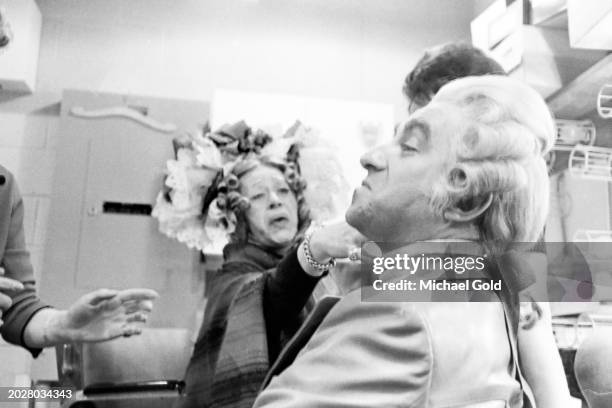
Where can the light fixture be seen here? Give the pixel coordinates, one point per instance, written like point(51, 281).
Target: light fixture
point(591, 162)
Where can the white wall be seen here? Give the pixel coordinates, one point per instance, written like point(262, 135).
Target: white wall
point(481, 5)
point(353, 49)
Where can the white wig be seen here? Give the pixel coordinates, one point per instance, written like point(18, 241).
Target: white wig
point(499, 153)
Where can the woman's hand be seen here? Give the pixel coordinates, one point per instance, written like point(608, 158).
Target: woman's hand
point(97, 316)
point(106, 314)
point(334, 240)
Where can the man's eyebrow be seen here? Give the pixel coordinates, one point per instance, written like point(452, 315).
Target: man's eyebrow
point(416, 124)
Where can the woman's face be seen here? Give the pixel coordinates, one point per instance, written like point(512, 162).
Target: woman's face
point(273, 215)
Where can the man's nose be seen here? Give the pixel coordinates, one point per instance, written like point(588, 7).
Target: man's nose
point(374, 160)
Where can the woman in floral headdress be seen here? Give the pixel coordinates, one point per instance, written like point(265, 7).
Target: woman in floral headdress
point(258, 298)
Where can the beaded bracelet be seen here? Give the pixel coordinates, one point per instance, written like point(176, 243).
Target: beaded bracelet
point(320, 267)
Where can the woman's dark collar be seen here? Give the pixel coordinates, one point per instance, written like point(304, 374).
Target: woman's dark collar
point(250, 254)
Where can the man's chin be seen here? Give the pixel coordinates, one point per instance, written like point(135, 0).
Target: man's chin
point(356, 217)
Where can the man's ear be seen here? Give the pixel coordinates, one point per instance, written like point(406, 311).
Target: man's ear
point(458, 214)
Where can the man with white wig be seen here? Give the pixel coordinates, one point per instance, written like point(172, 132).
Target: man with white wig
point(467, 167)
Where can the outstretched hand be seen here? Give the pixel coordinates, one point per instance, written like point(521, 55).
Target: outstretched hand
point(103, 315)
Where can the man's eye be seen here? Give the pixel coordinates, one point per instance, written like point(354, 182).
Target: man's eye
point(258, 196)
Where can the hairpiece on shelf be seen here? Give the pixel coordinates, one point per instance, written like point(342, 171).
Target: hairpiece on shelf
point(604, 101)
point(591, 162)
point(571, 133)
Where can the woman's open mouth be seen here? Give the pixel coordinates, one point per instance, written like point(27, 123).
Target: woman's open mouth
point(279, 221)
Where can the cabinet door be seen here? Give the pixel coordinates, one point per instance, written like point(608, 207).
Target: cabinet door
point(118, 239)
point(108, 174)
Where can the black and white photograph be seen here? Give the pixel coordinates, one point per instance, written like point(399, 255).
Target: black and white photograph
point(305, 203)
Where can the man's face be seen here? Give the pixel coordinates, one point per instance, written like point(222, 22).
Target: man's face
point(272, 215)
point(393, 200)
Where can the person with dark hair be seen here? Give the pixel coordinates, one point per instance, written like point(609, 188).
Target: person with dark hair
point(442, 64)
point(437, 67)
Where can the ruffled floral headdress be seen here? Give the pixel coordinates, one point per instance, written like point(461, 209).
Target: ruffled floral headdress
point(200, 198)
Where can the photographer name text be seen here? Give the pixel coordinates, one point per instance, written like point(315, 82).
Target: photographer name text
point(434, 285)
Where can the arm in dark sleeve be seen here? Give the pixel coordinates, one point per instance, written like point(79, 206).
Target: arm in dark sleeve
point(16, 263)
point(287, 289)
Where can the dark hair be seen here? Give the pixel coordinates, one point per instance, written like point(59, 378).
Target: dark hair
point(443, 64)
